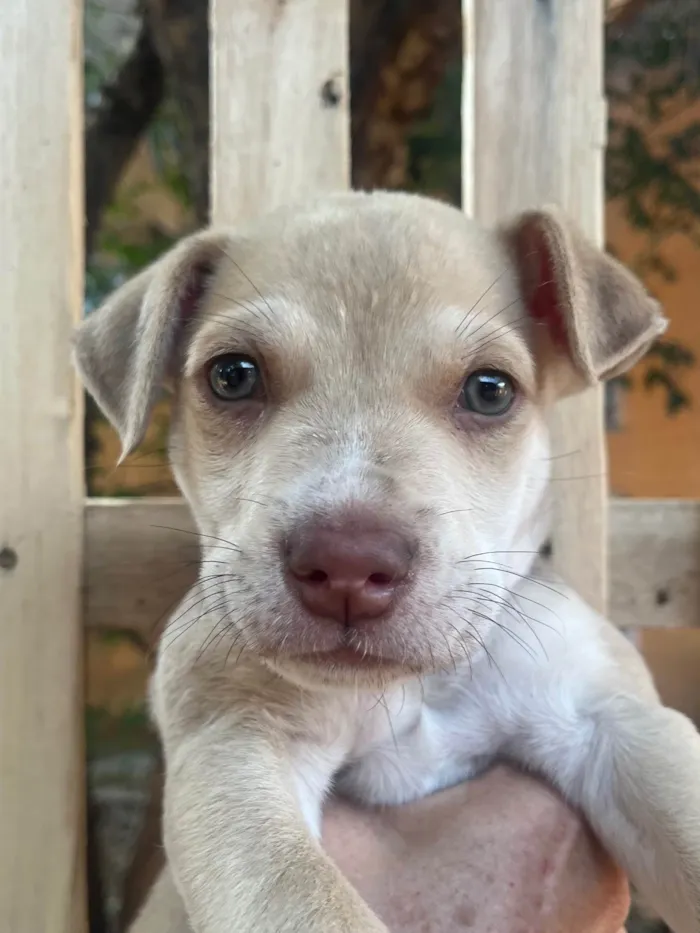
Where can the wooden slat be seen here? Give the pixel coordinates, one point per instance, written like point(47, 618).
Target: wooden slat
point(655, 563)
point(280, 127)
point(141, 558)
point(41, 472)
point(141, 555)
point(534, 116)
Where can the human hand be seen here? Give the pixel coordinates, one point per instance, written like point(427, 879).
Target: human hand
point(499, 854)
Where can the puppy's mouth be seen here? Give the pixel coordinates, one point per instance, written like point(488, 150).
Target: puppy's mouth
point(345, 656)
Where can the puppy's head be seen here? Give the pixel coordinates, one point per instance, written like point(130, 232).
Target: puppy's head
point(358, 418)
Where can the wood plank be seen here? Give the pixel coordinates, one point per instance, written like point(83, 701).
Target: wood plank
point(141, 558)
point(655, 563)
point(141, 555)
point(280, 109)
point(41, 470)
point(534, 117)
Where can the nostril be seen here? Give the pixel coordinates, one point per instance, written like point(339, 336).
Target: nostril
point(317, 577)
point(380, 579)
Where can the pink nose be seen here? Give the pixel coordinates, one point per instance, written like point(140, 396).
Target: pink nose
point(347, 573)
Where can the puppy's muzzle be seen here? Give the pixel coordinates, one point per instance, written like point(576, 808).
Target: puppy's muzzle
point(349, 570)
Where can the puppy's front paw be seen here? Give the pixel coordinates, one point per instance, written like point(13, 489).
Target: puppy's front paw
point(358, 919)
point(370, 924)
point(320, 901)
point(335, 922)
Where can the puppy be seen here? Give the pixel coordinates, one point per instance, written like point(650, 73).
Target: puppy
point(359, 425)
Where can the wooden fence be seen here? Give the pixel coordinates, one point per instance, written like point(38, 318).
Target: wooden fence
point(533, 131)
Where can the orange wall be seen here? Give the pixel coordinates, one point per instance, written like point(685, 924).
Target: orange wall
point(654, 454)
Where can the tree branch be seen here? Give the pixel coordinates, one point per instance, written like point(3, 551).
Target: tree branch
point(180, 30)
point(127, 108)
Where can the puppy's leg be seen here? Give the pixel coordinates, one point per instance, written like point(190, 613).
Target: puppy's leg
point(633, 767)
point(239, 804)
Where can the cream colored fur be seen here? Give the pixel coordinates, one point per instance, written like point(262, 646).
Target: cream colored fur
point(366, 313)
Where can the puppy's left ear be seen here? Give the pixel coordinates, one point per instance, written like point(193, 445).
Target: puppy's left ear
point(596, 318)
point(126, 350)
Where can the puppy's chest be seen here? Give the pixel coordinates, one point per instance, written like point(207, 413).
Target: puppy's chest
point(416, 740)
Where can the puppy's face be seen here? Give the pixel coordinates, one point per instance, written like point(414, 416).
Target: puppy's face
point(358, 424)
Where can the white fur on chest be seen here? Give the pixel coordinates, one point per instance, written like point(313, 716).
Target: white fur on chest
point(420, 738)
point(425, 735)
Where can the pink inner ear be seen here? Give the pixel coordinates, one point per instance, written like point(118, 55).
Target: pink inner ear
point(190, 296)
point(544, 301)
point(193, 291)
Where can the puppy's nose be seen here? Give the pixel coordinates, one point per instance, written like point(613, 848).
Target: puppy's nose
point(347, 574)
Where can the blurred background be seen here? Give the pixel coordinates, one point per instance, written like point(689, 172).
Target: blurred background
point(146, 103)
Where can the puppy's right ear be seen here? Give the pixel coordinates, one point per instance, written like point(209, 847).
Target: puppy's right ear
point(597, 318)
point(123, 351)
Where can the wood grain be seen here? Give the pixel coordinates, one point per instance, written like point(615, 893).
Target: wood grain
point(655, 563)
point(280, 124)
point(534, 121)
point(41, 470)
point(141, 558)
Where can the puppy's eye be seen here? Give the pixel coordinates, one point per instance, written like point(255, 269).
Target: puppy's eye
point(488, 392)
point(235, 378)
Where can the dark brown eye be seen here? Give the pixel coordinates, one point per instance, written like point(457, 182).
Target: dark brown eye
point(235, 378)
point(488, 392)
